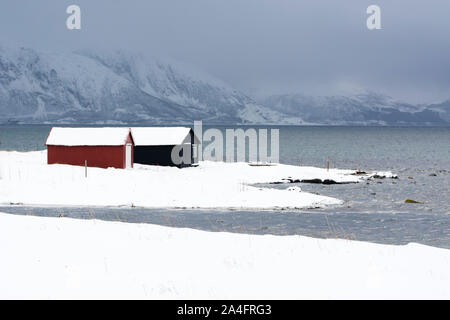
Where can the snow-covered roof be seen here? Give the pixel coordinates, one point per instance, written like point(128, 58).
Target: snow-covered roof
point(87, 136)
point(160, 136)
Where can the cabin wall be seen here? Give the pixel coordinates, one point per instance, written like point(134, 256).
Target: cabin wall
point(155, 155)
point(194, 144)
point(130, 141)
point(96, 156)
point(191, 134)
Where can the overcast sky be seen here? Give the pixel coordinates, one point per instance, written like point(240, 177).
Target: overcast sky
point(261, 46)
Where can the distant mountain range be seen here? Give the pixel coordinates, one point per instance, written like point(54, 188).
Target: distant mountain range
point(118, 88)
point(88, 87)
point(367, 108)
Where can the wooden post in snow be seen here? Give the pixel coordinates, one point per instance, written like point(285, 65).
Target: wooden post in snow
point(328, 163)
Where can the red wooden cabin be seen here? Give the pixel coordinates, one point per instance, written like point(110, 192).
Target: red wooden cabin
point(99, 147)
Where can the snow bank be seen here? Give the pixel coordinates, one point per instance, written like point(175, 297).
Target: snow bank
point(59, 258)
point(25, 178)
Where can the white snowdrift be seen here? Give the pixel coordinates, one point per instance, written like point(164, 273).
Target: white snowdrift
point(26, 178)
point(59, 258)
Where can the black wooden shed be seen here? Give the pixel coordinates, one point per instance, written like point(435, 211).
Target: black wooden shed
point(154, 145)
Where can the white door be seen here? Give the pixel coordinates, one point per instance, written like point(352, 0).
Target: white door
point(128, 156)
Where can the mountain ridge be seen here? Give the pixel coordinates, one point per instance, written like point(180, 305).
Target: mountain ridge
point(38, 87)
point(92, 87)
point(368, 108)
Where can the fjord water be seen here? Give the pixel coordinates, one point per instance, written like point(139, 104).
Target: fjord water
point(373, 211)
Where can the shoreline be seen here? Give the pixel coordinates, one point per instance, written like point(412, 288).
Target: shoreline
point(26, 179)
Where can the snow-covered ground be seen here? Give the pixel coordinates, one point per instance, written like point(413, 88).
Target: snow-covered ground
point(25, 178)
point(59, 258)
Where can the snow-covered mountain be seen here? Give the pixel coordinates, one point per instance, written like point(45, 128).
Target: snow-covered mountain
point(363, 108)
point(443, 109)
point(92, 87)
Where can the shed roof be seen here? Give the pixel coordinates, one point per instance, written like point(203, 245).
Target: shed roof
point(161, 136)
point(64, 136)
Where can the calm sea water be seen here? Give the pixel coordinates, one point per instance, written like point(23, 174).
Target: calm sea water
point(374, 211)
